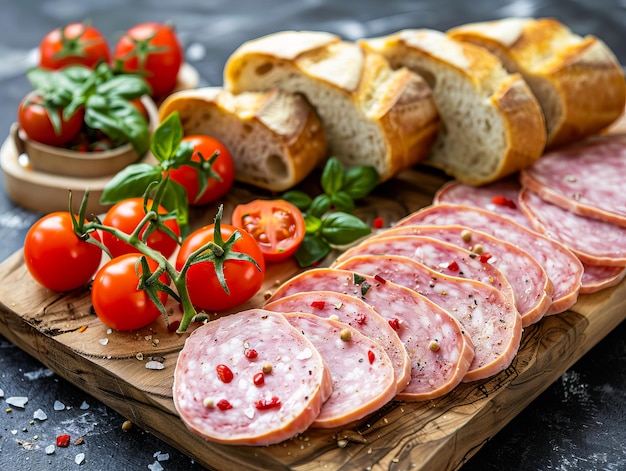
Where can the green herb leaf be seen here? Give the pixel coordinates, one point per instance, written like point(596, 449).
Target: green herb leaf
point(167, 138)
point(130, 182)
point(359, 181)
point(332, 176)
point(342, 201)
point(175, 199)
point(320, 205)
point(311, 250)
point(299, 199)
point(341, 228)
point(125, 86)
point(312, 224)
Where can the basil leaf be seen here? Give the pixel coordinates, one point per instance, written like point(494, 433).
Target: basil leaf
point(332, 176)
point(130, 182)
point(312, 224)
point(299, 199)
point(125, 86)
point(76, 74)
point(342, 201)
point(360, 181)
point(342, 228)
point(311, 250)
point(320, 205)
point(167, 137)
point(175, 199)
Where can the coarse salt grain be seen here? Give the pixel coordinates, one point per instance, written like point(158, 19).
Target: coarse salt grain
point(84, 406)
point(156, 466)
point(17, 401)
point(154, 365)
point(104, 341)
point(305, 354)
point(40, 415)
point(79, 458)
point(50, 449)
point(58, 405)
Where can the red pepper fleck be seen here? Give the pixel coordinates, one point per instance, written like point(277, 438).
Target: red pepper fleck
point(251, 353)
point(318, 304)
point(259, 379)
point(360, 318)
point(380, 279)
point(370, 356)
point(502, 201)
point(223, 404)
point(484, 258)
point(262, 404)
point(63, 441)
point(173, 326)
point(453, 266)
point(394, 323)
point(224, 373)
point(378, 223)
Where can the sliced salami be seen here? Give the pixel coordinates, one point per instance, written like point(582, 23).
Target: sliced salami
point(499, 197)
point(357, 314)
point(595, 242)
point(440, 351)
point(563, 267)
point(441, 256)
point(585, 178)
point(489, 317)
point(532, 289)
point(362, 374)
point(598, 277)
point(215, 390)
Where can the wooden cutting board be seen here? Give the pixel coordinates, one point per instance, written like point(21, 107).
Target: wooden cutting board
point(62, 333)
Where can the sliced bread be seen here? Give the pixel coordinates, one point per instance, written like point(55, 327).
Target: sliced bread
point(274, 137)
point(372, 115)
point(577, 80)
point(492, 125)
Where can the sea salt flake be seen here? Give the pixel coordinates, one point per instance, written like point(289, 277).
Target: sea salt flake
point(305, 354)
point(156, 466)
point(154, 365)
point(79, 458)
point(40, 415)
point(1, 393)
point(162, 456)
point(50, 449)
point(84, 406)
point(109, 331)
point(58, 405)
point(103, 341)
point(17, 401)
point(38, 374)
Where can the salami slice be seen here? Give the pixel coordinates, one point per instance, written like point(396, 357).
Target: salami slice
point(214, 381)
point(440, 351)
point(598, 277)
point(357, 314)
point(563, 267)
point(532, 289)
point(489, 317)
point(594, 242)
point(499, 197)
point(585, 178)
point(363, 378)
point(441, 256)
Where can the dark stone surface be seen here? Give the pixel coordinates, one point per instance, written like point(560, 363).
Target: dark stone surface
point(579, 423)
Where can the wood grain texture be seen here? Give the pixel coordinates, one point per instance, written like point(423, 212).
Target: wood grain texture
point(440, 434)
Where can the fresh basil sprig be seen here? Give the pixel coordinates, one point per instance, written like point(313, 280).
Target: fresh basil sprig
point(328, 218)
point(106, 98)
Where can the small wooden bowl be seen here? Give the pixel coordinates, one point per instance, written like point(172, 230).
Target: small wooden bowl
point(71, 163)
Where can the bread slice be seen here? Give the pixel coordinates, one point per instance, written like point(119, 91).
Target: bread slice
point(372, 114)
point(274, 137)
point(492, 125)
point(577, 80)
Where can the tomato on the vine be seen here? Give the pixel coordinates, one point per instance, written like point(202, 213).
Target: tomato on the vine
point(222, 168)
point(126, 216)
point(153, 50)
point(242, 277)
point(277, 225)
point(34, 119)
point(56, 257)
point(74, 44)
point(115, 297)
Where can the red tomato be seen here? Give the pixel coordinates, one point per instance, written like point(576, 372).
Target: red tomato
point(75, 43)
point(55, 257)
point(115, 297)
point(126, 216)
point(277, 225)
point(34, 120)
point(243, 278)
point(153, 50)
point(223, 166)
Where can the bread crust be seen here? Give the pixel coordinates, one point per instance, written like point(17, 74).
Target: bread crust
point(578, 80)
point(395, 109)
point(293, 137)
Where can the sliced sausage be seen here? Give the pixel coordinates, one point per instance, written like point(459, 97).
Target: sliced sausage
point(359, 315)
point(216, 391)
point(362, 374)
point(491, 320)
point(563, 267)
point(598, 277)
point(440, 351)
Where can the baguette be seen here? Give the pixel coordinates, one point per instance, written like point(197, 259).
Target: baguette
point(577, 80)
point(492, 125)
point(274, 137)
point(372, 114)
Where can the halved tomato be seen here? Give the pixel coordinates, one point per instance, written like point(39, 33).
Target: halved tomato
point(277, 225)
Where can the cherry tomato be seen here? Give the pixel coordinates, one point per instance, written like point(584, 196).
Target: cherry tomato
point(223, 166)
point(34, 120)
point(126, 216)
point(153, 50)
point(277, 225)
point(55, 257)
point(76, 43)
point(115, 297)
point(243, 278)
